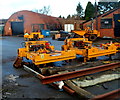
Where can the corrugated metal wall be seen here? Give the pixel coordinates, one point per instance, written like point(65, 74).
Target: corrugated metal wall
point(28, 18)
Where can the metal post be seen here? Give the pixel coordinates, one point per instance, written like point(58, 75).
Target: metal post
point(96, 15)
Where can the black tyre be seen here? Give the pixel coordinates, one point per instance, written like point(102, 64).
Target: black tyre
point(92, 37)
point(62, 48)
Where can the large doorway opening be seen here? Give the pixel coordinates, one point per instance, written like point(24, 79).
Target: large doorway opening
point(17, 28)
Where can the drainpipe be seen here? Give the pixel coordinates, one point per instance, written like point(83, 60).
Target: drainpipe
point(96, 15)
point(92, 28)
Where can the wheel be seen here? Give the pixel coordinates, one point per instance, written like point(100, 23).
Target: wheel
point(62, 48)
point(92, 37)
point(34, 67)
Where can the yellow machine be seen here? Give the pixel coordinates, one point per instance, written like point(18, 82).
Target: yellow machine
point(41, 52)
point(117, 45)
point(84, 47)
point(90, 34)
point(33, 36)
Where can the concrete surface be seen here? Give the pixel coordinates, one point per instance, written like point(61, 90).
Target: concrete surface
point(26, 85)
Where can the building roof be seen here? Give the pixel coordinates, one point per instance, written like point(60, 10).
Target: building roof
point(103, 15)
point(44, 18)
point(3, 21)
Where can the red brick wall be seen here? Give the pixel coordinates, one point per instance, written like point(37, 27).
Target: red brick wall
point(107, 32)
point(104, 32)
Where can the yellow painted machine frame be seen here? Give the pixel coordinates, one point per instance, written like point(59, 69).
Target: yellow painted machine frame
point(88, 51)
point(32, 36)
point(87, 33)
point(117, 44)
point(43, 56)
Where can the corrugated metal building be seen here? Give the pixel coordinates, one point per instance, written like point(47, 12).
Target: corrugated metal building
point(108, 23)
point(29, 21)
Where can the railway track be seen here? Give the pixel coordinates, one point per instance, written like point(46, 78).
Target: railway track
point(112, 95)
point(74, 74)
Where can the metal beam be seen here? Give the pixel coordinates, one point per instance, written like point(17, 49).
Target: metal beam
point(74, 74)
point(108, 96)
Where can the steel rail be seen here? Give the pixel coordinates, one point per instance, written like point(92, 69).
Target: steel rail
point(108, 96)
point(66, 88)
point(74, 74)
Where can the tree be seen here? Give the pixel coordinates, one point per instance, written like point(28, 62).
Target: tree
point(79, 10)
point(89, 11)
point(68, 16)
point(106, 6)
point(60, 16)
point(63, 17)
point(45, 10)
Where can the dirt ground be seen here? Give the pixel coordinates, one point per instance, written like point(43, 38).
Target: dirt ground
point(17, 83)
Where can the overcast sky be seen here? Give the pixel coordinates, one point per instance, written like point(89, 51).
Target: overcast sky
point(57, 7)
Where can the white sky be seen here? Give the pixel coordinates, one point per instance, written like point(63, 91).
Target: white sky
point(57, 7)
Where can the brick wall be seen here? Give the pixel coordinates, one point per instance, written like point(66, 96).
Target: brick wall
point(104, 32)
